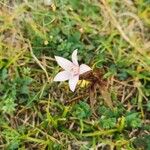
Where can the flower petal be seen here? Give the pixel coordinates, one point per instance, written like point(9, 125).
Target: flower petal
point(62, 76)
point(84, 68)
point(74, 57)
point(73, 82)
point(64, 63)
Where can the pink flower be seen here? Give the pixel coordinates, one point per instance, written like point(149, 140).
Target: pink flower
point(72, 70)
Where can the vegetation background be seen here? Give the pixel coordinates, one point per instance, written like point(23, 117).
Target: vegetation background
point(39, 114)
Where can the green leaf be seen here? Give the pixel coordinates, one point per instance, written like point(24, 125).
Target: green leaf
point(148, 106)
point(3, 74)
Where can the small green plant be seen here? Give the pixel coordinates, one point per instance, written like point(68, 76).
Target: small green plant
point(107, 123)
point(12, 139)
point(133, 120)
point(9, 105)
point(82, 110)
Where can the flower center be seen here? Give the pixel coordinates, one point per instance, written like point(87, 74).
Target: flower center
point(74, 70)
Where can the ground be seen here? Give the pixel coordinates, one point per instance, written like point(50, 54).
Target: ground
point(112, 37)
